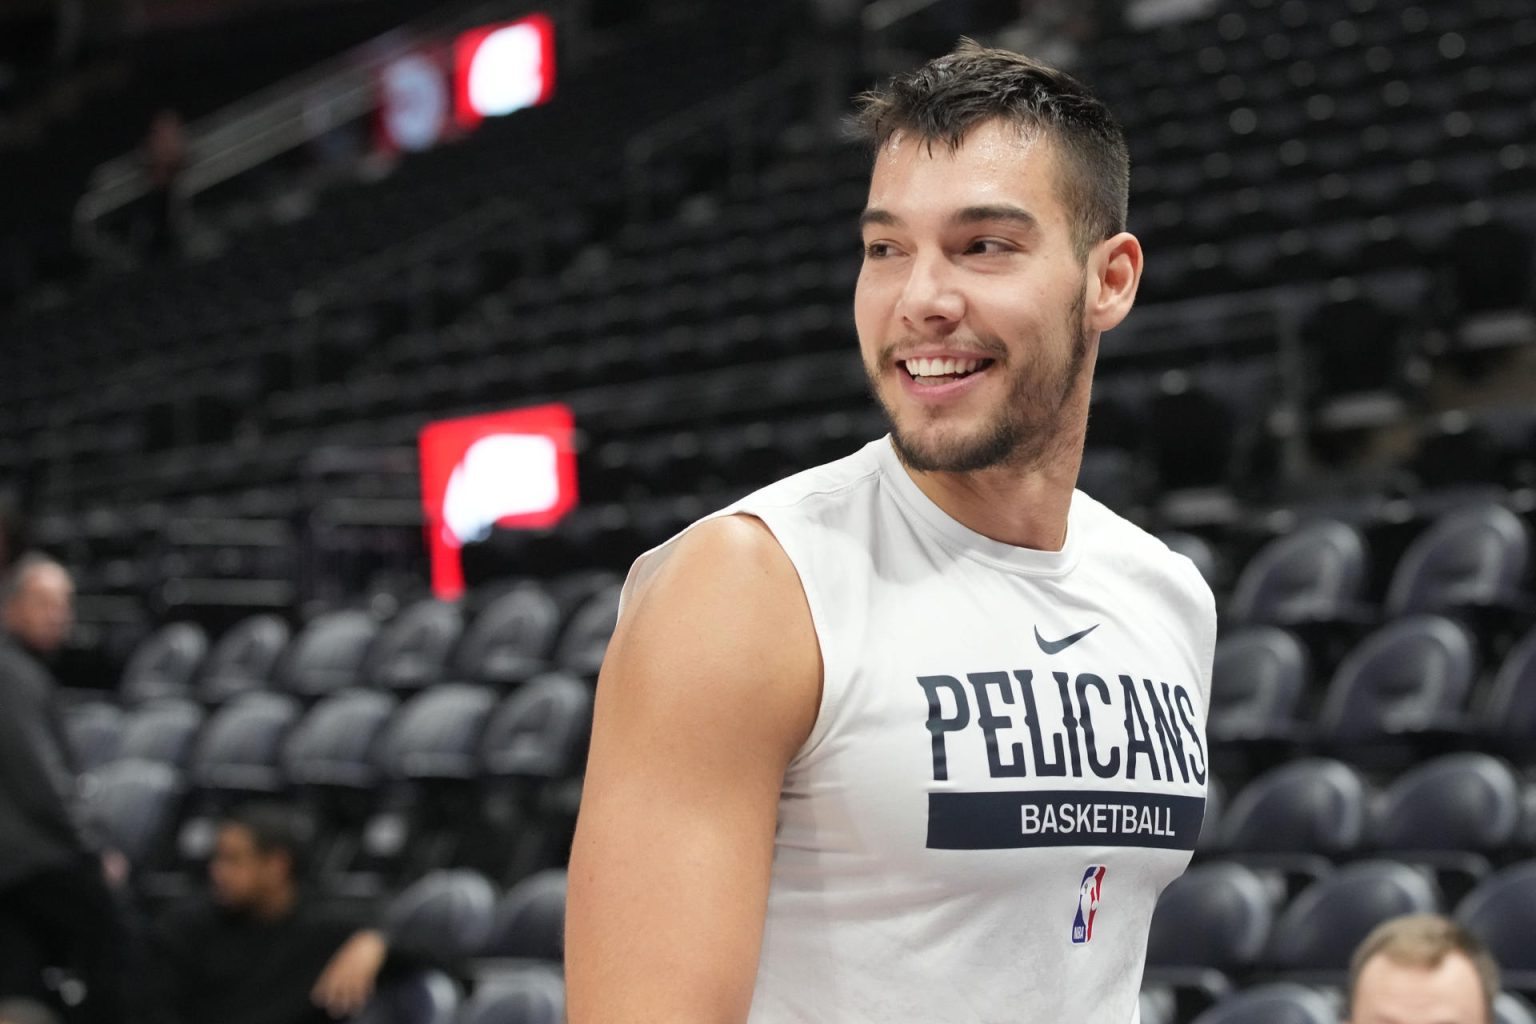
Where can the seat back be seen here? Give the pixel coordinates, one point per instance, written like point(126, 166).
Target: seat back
point(1471, 556)
point(1277, 1003)
point(529, 996)
point(1214, 915)
point(134, 803)
point(1313, 573)
point(420, 997)
point(1511, 708)
point(584, 640)
point(436, 734)
point(530, 919)
point(1502, 912)
point(511, 639)
point(539, 730)
point(1405, 675)
point(328, 654)
point(243, 659)
point(411, 652)
point(332, 745)
point(93, 729)
point(162, 731)
point(1258, 676)
point(239, 747)
point(1468, 801)
point(1316, 805)
point(163, 665)
point(447, 913)
point(1321, 927)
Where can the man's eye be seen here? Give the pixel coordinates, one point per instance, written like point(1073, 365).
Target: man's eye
point(988, 247)
point(876, 250)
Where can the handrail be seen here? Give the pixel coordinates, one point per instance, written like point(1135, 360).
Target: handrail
point(278, 118)
point(882, 14)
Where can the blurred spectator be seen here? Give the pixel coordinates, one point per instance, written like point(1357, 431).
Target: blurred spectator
point(25, 1011)
point(261, 951)
point(165, 157)
point(1422, 969)
point(55, 906)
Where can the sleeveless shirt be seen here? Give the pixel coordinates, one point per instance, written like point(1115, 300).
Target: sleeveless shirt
point(1007, 767)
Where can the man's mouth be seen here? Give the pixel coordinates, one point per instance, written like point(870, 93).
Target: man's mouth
point(942, 371)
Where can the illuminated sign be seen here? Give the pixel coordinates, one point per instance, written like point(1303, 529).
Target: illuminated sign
point(502, 68)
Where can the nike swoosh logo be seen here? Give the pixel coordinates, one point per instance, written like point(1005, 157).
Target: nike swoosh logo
point(1057, 646)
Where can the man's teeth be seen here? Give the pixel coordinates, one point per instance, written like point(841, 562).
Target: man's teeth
point(942, 367)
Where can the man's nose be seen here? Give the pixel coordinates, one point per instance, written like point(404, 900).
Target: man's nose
point(930, 296)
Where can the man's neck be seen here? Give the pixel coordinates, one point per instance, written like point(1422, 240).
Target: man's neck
point(276, 906)
point(1025, 509)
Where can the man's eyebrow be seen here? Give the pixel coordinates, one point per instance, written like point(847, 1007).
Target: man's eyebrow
point(995, 212)
point(875, 215)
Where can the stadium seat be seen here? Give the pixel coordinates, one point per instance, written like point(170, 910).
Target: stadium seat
point(538, 731)
point(1410, 676)
point(1354, 347)
point(1199, 551)
point(1318, 931)
point(584, 640)
point(420, 997)
point(1276, 1003)
point(163, 665)
point(1509, 714)
point(1209, 928)
point(1502, 912)
point(134, 803)
point(528, 996)
point(1474, 557)
point(1509, 1008)
point(1257, 681)
point(529, 923)
point(1158, 1005)
point(163, 730)
point(238, 750)
point(1315, 573)
point(243, 659)
point(1299, 814)
point(435, 735)
point(93, 729)
point(411, 651)
point(511, 639)
point(1456, 811)
point(331, 747)
point(328, 654)
point(446, 914)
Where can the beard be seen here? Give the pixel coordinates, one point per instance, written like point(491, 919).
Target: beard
point(1023, 432)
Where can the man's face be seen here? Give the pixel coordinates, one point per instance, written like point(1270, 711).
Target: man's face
point(969, 306)
point(1394, 993)
point(243, 876)
point(42, 611)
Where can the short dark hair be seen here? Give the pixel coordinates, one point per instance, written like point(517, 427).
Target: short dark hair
point(947, 97)
point(274, 828)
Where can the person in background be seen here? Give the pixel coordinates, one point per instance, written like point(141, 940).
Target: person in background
point(55, 905)
point(1422, 969)
point(260, 950)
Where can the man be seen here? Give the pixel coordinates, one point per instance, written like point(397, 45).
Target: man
point(1422, 969)
point(260, 953)
point(55, 907)
point(917, 735)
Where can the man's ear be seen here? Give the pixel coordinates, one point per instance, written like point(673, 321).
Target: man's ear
point(1114, 274)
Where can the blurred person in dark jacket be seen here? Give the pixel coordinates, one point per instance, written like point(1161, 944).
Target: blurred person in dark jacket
point(260, 949)
point(56, 909)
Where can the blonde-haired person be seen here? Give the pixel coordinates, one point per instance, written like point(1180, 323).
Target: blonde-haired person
point(1422, 969)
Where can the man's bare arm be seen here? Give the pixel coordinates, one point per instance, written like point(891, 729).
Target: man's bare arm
point(711, 684)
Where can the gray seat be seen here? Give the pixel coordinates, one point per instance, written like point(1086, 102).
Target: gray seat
point(1216, 915)
point(1502, 912)
point(538, 731)
point(1410, 675)
point(512, 638)
point(1276, 1003)
point(93, 729)
point(1314, 806)
point(1510, 712)
point(1509, 1008)
point(134, 804)
point(1158, 1004)
point(1319, 930)
point(529, 996)
point(332, 745)
point(163, 665)
point(421, 997)
point(436, 734)
point(1199, 551)
point(529, 923)
point(446, 913)
point(162, 731)
point(243, 659)
point(1474, 556)
point(328, 654)
point(1468, 802)
point(1314, 574)
point(584, 640)
point(238, 751)
point(1258, 677)
point(411, 652)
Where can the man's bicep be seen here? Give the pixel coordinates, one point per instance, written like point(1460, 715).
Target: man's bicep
point(710, 686)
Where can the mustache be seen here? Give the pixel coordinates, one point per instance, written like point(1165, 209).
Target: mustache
point(986, 348)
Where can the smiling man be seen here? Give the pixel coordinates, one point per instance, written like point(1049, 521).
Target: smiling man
point(917, 735)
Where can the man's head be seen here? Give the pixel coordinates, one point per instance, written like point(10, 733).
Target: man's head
point(994, 240)
point(1422, 969)
point(37, 602)
point(256, 859)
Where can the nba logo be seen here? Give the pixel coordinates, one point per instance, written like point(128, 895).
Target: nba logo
point(1087, 903)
